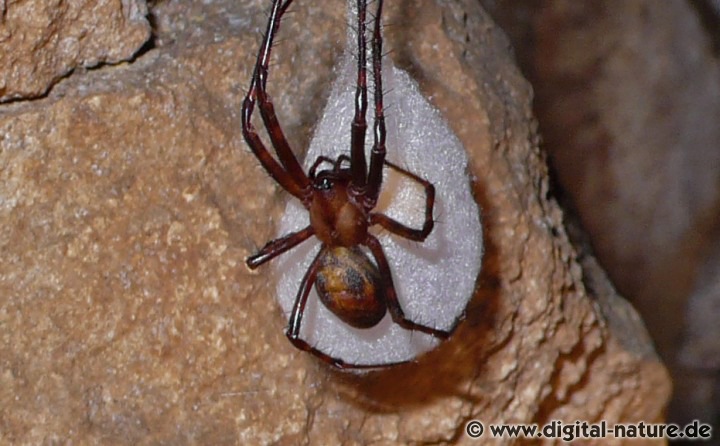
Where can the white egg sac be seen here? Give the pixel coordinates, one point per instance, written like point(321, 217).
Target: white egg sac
point(434, 279)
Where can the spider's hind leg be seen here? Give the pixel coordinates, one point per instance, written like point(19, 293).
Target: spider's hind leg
point(298, 311)
point(393, 305)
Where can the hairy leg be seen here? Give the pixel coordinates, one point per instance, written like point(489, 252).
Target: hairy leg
point(290, 174)
point(400, 229)
point(393, 304)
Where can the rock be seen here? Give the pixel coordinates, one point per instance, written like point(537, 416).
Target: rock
point(699, 355)
point(130, 201)
point(633, 142)
point(42, 41)
point(628, 102)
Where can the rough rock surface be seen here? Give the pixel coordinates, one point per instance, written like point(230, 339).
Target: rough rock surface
point(43, 40)
point(628, 101)
point(699, 357)
point(129, 202)
point(635, 142)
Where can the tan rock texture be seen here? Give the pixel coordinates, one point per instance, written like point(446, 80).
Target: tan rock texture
point(129, 201)
point(43, 40)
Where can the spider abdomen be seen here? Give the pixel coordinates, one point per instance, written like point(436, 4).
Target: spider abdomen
point(350, 286)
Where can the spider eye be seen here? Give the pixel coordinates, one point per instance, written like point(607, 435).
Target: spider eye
point(324, 183)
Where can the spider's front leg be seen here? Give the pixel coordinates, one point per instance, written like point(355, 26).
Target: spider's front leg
point(396, 311)
point(377, 155)
point(288, 173)
point(358, 165)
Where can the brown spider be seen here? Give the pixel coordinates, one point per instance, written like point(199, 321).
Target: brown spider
point(339, 200)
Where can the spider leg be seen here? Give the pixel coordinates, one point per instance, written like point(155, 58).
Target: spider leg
point(358, 164)
point(377, 156)
point(295, 322)
point(400, 229)
point(278, 246)
point(290, 174)
point(398, 316)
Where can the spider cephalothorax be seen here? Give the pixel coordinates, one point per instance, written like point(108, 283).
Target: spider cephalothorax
point(340, 202)
point(337, 213)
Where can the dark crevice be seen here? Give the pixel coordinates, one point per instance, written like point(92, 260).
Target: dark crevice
point(709, 14)
point(149, 45)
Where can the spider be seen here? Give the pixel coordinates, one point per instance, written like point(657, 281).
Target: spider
point(340, 202)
